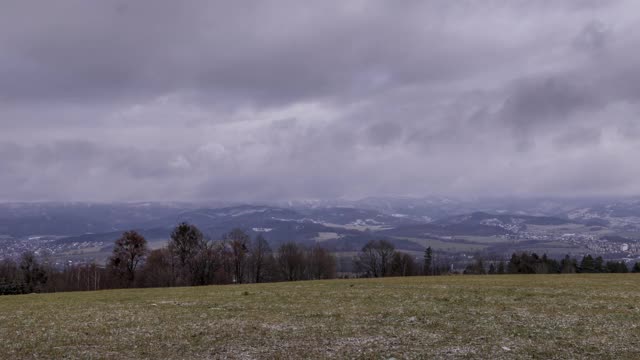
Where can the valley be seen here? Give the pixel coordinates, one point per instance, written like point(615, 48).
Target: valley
point(82, 232)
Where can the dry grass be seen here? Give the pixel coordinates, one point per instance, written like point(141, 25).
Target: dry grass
point(538, 316)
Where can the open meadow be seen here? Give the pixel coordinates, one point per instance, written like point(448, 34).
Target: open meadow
point(510, 316)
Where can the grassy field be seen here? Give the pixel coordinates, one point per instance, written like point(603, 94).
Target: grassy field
point(537, 316)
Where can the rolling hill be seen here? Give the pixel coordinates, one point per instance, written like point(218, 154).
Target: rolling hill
point(411, 224)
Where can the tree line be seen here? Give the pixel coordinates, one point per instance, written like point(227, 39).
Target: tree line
point(190, 260)
point(532, 263)
point(379, 258)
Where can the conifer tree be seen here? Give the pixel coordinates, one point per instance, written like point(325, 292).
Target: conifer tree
point(587, 265)
point(428, 261)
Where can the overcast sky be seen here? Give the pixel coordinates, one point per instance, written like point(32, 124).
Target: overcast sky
point(245, 100)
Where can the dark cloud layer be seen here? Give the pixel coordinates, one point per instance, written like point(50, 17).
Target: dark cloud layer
point(160, 100)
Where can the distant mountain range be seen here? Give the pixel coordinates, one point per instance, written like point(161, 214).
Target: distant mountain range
point(339, 225)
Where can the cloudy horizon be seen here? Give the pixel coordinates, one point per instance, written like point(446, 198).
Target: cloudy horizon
point(273, 100)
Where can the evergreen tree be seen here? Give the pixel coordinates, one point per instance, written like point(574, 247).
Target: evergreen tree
point(636, 268)
point(587, 265)
point(492, 269)
point(428, 261)
point(599, 264)
point(500, 268)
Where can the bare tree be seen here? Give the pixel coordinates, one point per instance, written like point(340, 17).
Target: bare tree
point(8, 271)
point(291, 261)
point(261, 258)
point(239, 245)
point(385, 251)
point(129, 250)
point(375, 258)
point(33, 274)
point(321, 263)
point(185, 244)
point(367, 261)
point(206, 264)
point(403, 264)
point(159, 269)
point(186, 241)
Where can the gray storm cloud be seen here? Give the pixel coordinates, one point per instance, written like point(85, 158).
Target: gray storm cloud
point(191, 100)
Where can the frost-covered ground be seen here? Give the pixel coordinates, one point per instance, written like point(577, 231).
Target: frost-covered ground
point(538, 316)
